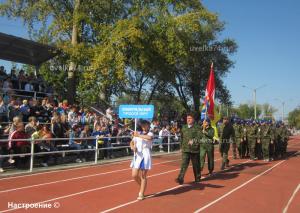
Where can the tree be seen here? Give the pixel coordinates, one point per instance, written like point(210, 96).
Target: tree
point(294, 118)
point(132, 47)
point(268, 110)
point(246, 111)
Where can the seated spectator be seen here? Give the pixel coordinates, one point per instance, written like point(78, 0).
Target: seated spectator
point(58, 129)
point(102, 134)
point(25, 110)
point(43, 144)
point(65, 105)
point(75, 143)
point(60, 108)
point(36, 110)
point(1, 159)
point(85, 133)
point(13, 110)
point(47, 110)
point(31, 127)
point(17, 145)
point(73, 117)
point(109, 113)
point(85, 142)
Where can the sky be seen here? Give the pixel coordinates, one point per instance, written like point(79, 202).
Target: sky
point(267, 33)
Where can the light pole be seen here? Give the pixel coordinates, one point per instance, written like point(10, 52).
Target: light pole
point(254, 96)
point(282, 103)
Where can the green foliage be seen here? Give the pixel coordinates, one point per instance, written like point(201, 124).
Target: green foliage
point(246, 111)
point(152, 50)
point(294, 118)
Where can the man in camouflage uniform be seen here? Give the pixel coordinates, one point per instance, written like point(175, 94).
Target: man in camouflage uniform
point(244, 140)
point(207, 146)
point(252, 135)
point(265, 137)
point(273, 143)
point(226, 132)
point(238, 138)
point(191, 135)
point(283, 139)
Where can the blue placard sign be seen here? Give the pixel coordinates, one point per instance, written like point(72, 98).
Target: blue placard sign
point(136, 111)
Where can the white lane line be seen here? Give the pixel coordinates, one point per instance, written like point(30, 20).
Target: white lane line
point(96, 189)
point(237, 188)
point(71, 169)
point(77, 178)
point(285, 210)
point(92, 190)
point(170, 189)
point(135, 201)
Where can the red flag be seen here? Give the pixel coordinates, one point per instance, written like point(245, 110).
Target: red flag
point(210, 93)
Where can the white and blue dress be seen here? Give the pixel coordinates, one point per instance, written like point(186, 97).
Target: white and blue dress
point(142, 156)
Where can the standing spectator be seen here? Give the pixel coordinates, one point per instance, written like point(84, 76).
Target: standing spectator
point(22, 79)
point(14, 79)
point(163, 136)
point(7, 85)
point(13, 110)
point(3, 111)
point(29, 88)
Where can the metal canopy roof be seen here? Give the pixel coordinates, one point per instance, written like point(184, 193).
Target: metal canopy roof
point(24, 51)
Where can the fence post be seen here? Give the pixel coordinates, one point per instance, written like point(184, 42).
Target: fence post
point(169, 142)
point(31, 155)
point(96, 151)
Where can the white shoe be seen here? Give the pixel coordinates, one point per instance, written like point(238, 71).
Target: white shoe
point(140, 197)
point(11, 161)
point(1, 170)
point(78, 160)
point(44, 164)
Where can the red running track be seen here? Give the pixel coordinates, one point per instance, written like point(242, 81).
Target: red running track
point(248, 186)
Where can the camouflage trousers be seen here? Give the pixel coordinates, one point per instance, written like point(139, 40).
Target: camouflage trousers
point(207, 150)
point(224, 148)
point(265, 143)
point(186, 158)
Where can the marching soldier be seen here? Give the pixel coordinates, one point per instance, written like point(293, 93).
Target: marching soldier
point(207, 146)
point(226, 133)
point(265, 138)
point(244, 140)
point(238, 138)
point(190, 146)
point(252, 135)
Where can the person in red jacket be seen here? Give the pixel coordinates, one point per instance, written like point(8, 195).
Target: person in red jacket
point(17, 145)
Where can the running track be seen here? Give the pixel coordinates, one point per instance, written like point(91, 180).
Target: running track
point(248, 186)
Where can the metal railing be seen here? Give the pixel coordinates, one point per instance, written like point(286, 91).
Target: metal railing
point(157, 141)
point(34, 93)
